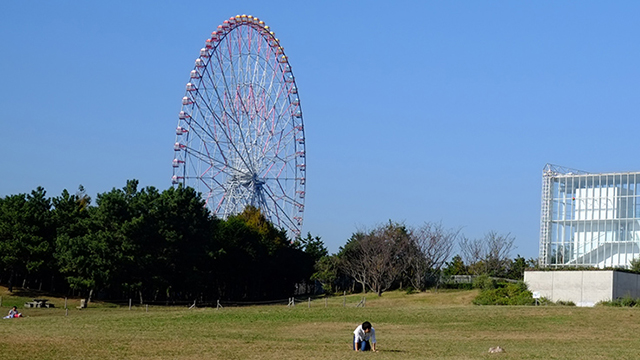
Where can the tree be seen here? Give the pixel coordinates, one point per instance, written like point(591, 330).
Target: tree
point(533, 263)
point(377, 258)
point(91, 254)
point(26, 236)
point(144, 242)
point(314, 250)
point(70, 215)
point(516, 268)
point(326, 271)
point(186, 228)
point(40, 243)
point(353, 261)
point(434, 245)
point(171, 234)
point(255, 260)
point(488, 255)
point(473, 252)
point(455, 267)
point(313, 246)
point(10, 236)
point(270, 236)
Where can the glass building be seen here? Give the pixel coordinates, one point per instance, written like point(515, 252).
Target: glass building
point(589, 219)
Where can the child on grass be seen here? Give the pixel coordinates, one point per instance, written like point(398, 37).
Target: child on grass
point(364, 337)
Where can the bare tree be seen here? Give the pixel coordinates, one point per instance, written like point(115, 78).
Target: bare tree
point(489, 255)
point(434, 245)
point(473, 251)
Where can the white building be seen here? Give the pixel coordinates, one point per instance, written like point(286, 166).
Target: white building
point(589, 219)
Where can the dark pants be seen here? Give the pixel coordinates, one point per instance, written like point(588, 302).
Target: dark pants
point(364, 345)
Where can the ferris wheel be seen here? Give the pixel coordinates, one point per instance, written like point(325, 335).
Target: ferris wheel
point(240, 135)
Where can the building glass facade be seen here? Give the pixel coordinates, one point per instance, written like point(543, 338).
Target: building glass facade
point(589, 219)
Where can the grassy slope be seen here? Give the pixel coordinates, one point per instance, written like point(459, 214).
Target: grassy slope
point(419, 326)
point(20, 296)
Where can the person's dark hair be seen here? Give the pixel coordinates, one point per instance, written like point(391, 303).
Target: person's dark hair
point(366, 325)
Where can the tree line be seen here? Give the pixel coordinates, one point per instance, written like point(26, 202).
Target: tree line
point(394, 255)
point(146, 243)
point(167, 246)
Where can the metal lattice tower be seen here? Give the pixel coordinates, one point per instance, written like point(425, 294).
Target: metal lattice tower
point(545, 217)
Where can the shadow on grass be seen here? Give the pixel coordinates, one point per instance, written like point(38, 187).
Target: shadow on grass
point(30, 293)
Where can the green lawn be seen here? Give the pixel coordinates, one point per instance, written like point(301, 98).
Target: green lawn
point(440, 325)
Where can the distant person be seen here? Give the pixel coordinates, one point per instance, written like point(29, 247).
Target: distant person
point(364, 337)
point(13, 313)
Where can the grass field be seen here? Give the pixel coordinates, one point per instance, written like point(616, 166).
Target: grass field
point(428, 325)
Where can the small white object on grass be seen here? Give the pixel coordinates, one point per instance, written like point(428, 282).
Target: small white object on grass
point(496, 349)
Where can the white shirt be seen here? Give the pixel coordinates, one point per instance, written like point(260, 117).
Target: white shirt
point(360, 335)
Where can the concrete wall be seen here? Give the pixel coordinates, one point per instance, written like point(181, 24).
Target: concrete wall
point(596, 286)
point(584, 288)
point(626, 284)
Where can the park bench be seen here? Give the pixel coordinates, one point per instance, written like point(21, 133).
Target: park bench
point(39, 303)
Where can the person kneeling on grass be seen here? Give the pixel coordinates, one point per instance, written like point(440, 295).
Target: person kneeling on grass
point(364, 337)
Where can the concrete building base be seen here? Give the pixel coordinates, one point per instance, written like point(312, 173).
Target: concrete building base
point(584, 288)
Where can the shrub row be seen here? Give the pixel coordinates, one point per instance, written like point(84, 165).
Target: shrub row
point(505, 294)
point(626, 301)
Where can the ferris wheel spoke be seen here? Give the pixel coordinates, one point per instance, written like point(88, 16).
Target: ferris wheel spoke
point(248, 110)
point(207, 158)
point(275, 199)
point(198, 125)
point(209, 111)
point(235, 117)
point(220, 185)
point(231, 72)
point(279, 142)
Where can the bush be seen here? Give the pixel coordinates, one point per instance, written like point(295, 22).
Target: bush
point(613, 303)
point(484, 282)
point(546, 302)
point(506, 294)
point(626, 301)
point(565, 303)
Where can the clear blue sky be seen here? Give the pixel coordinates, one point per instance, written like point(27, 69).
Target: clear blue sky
point(414, 111)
